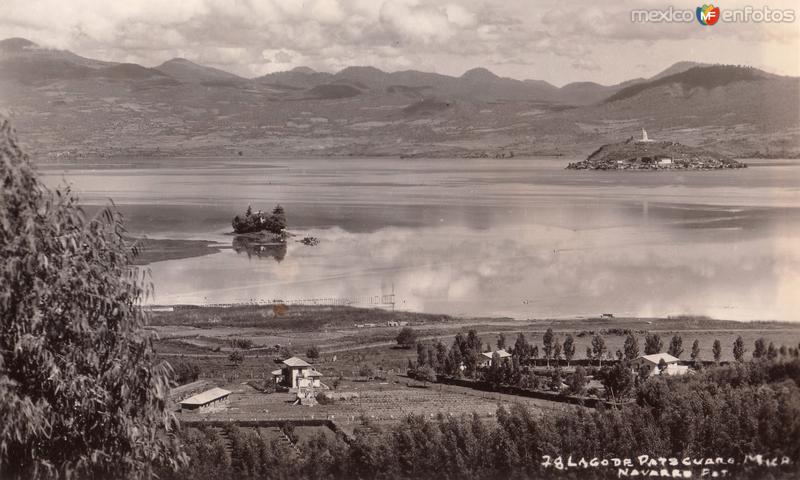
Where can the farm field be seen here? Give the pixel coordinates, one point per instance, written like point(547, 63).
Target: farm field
point(386, 394)
point(375, 401)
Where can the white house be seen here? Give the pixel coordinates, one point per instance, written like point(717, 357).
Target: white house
point(652, 361)
point(297, 373)
point(486, 357)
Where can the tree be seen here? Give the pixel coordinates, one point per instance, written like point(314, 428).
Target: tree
point(716, 349)
point(425, 374)
point(772, 352)
point(501, 341)
point(407, 337)
point(676, 346)
point(652, 344)
point(555, 379)
point(185, 372)
point(522, 349)
point(760, 348)
point(441, 357)
point(578, 381)
point(557, 351)
point(82, 393)
point(493, 374)
point(278, 219)
point(569, 348)
point(631, 348)
point(662, 366)
point(422, 355)
point(618, 381)
point(695, 350)
point(236, 357)
point(312, 352)
point(547, 344)
point(738, 349)
point(598, 348)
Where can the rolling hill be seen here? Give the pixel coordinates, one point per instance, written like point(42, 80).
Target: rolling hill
point(189, 72)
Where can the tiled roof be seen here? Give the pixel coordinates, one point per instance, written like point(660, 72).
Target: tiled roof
point(503, 354)
point(296, 362)
point(656, 358)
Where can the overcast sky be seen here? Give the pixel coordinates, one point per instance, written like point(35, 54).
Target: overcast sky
point(554, 40)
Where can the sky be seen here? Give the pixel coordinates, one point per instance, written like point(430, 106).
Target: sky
point(556, 41)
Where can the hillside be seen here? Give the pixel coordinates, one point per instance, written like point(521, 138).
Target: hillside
point(68, 107)
point(189, 72)
point(696, 77)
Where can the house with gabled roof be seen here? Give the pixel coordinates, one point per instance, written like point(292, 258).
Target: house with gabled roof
point(652, 362)
point(297, 373)
point(486, 357)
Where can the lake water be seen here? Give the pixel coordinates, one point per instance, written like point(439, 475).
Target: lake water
point(521, 237)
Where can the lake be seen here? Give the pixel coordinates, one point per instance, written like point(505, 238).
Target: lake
point(512, 237)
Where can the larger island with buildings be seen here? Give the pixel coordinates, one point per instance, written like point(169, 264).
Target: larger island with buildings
point(647, 154)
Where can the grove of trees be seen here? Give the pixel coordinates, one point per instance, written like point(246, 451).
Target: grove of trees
point(258, 222)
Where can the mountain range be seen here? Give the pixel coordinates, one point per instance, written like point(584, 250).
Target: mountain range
point(68, 106)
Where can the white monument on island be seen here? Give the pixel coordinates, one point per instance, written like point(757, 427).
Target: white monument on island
point(644, 137)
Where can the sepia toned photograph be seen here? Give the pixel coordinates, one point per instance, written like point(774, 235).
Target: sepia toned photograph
point(399, 239)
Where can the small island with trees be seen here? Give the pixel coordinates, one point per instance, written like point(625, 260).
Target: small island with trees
point(647, 154)
point(259, 222)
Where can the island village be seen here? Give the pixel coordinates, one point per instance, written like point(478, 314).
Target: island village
point(648, 154)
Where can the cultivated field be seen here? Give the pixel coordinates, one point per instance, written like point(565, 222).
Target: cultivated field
point(203, 337)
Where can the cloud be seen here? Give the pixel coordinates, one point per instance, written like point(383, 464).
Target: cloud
point(555, 40)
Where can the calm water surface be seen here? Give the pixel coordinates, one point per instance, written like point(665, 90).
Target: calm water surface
point(522, 238)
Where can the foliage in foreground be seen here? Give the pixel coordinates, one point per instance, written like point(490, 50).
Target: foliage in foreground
point(81, 392)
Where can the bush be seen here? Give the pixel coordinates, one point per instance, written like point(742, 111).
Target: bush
point(185, 372)
point(366, 371)
point(407, 337)
point(236, 357)
point(577, 382)
point(425, 374)
point(288, 429)
point(312, 352)
point(242, 343)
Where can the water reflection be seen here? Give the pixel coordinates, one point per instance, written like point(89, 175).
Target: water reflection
point(259, 247)
point(524, 271)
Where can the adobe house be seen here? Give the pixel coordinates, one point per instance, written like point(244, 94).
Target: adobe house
point(297, 373)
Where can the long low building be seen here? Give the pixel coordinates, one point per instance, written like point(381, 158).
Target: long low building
point(206, 400)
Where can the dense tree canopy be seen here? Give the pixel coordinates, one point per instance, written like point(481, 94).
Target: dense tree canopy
point(82, 394)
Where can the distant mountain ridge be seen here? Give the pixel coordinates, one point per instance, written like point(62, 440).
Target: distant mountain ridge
point(71, 105)
point(32, 62)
